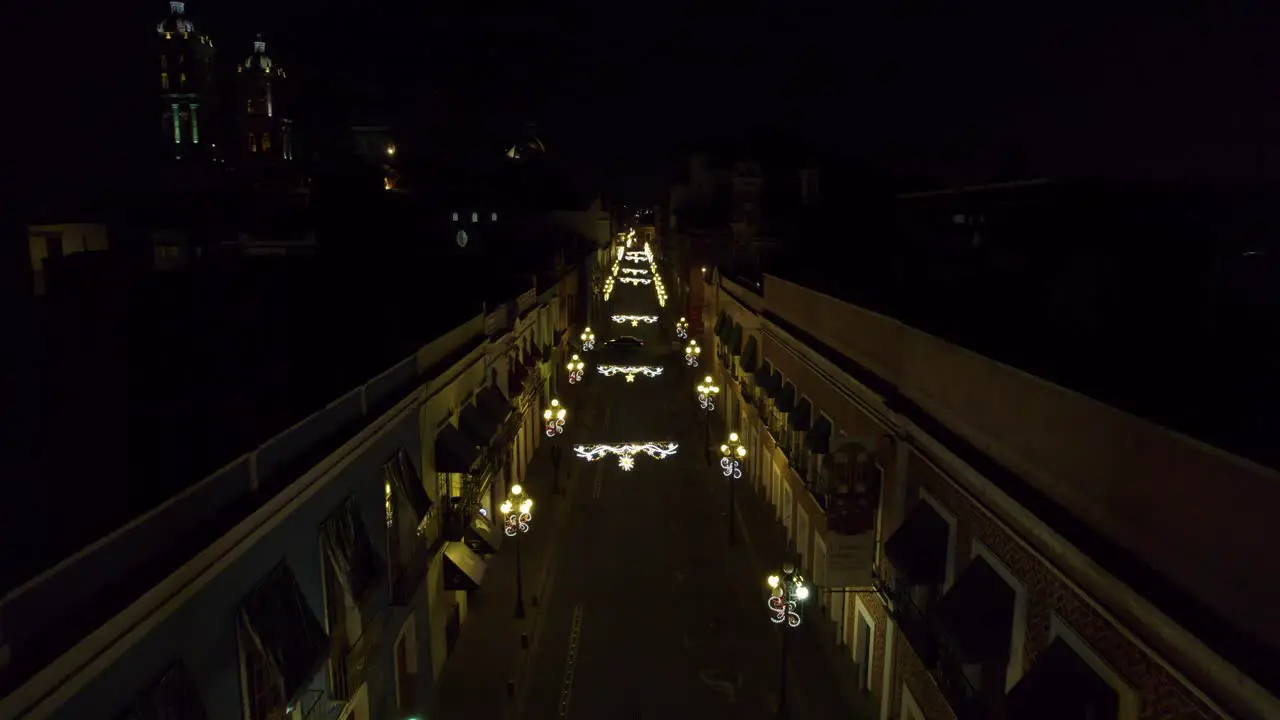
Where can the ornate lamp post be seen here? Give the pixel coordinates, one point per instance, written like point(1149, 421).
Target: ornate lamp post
point(691, 353)
point(732, 454)
point(554, 417)
point(576, 366)
point(518, 511)
point(707, 392)
point(788, 591)
point(682, 329)
point(588, 340)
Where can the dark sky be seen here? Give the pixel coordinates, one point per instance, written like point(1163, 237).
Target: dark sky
point(622, 87)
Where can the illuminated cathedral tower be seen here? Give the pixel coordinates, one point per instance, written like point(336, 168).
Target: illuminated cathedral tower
point(188, 97)
point(265, 134)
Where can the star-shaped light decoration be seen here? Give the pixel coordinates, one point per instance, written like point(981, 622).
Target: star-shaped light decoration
point(626, 462)
point(631, 377)
point(635, 323)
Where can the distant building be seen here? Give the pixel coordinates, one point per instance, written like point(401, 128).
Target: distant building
point(266, 131)
point(188, 97)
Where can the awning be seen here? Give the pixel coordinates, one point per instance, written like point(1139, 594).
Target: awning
point(463, 569)
point(495, 404)
point(479, 425)
point(172, 695)
point(761, 376)
point(977, 614)
point(455, 452)
point(1061, 686)
point(284, 628)
point(819, 438)
point(408, 483)
point(481, 536)
point(735, 340)
point(750, 356)
point(786, 400)
point(771, 384)
point(725, 329)
point(918, 548)
point(519, 375)
point(350, 551)
point(801, 418)
point(720, 323)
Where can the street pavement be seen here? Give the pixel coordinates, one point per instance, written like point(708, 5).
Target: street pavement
point(644, 609)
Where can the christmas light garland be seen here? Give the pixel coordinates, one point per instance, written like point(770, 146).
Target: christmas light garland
point(626, 452)
point(635, 320)
point(630, 371)
point(635, 281)
point(635, 271)
point(640, 256)
point(608, 287)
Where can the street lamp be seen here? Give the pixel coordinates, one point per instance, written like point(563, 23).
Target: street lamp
point(691, 353)
point(707, 392)
point(682, 329)
point(518, 511)
point(576, 366)
point(787, 591)
point(588, 340)
point(554, 417)
point(732, 454)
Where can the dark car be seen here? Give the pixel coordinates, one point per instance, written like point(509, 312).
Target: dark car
point(623, 342)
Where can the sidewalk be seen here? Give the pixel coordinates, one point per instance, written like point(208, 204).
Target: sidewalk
point(823, 678)
point(482, 676)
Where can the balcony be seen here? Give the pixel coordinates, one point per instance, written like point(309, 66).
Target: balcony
point(407, 576)
point(352, 661)
point(943, 665)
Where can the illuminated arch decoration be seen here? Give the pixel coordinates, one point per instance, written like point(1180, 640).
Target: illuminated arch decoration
point(635, 281)
point(635, 320)
point(627, 452)
point(630, 371)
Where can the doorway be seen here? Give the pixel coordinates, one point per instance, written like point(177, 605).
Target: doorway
point(862, 649)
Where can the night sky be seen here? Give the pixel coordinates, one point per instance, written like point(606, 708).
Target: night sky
point(622, 89)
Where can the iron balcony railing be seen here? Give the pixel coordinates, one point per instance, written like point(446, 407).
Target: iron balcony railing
point(937, 655)
point(352, 660)
point(407, 575)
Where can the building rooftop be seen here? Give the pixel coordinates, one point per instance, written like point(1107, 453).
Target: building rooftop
point(1156, 300)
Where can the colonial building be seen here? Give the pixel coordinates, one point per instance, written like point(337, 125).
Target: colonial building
point(986, 543)
point(188, 98)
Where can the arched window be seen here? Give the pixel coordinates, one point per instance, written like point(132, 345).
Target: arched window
point(182, 80)
point(493, 217)
point(164, 81)
point(266, 142)
point(475, 217)
point(253, 143)
point(455, 217)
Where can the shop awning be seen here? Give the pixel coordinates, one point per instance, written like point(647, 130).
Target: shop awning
point(350, 551)
point(735, 340)
point(463, 568)
point(455, 452)
point(172, 695)
point(283, 626)
point(751, 356)
point(1061, 686)
point(786, 400)
point(918, 548)
point(977, 614)
point(495, 404)
point(408, 483)
point(801, 417)
point(479, 425)
point(772, 384)
point(481, 536)
point(819, 438)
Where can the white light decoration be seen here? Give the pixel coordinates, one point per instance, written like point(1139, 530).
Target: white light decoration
point(576, 367)
point(588, 340)
point(635, 281)
point(787, 592)
point(630, 371)
point(626, 452)
point(554, 417)
point(518, 514)
point(391, 510)
point(732, 454)
point(635, 271)
point(691, 354)
point(682, 330)
point(608, 287)
point(707, 392)
point(635, 320)
point(636, 256)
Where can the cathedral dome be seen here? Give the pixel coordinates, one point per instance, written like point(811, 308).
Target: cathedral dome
point(177, 22)
point(259, 60)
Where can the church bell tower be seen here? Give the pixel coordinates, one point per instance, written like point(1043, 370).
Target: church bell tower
point(188, 98)
point(266, 136)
